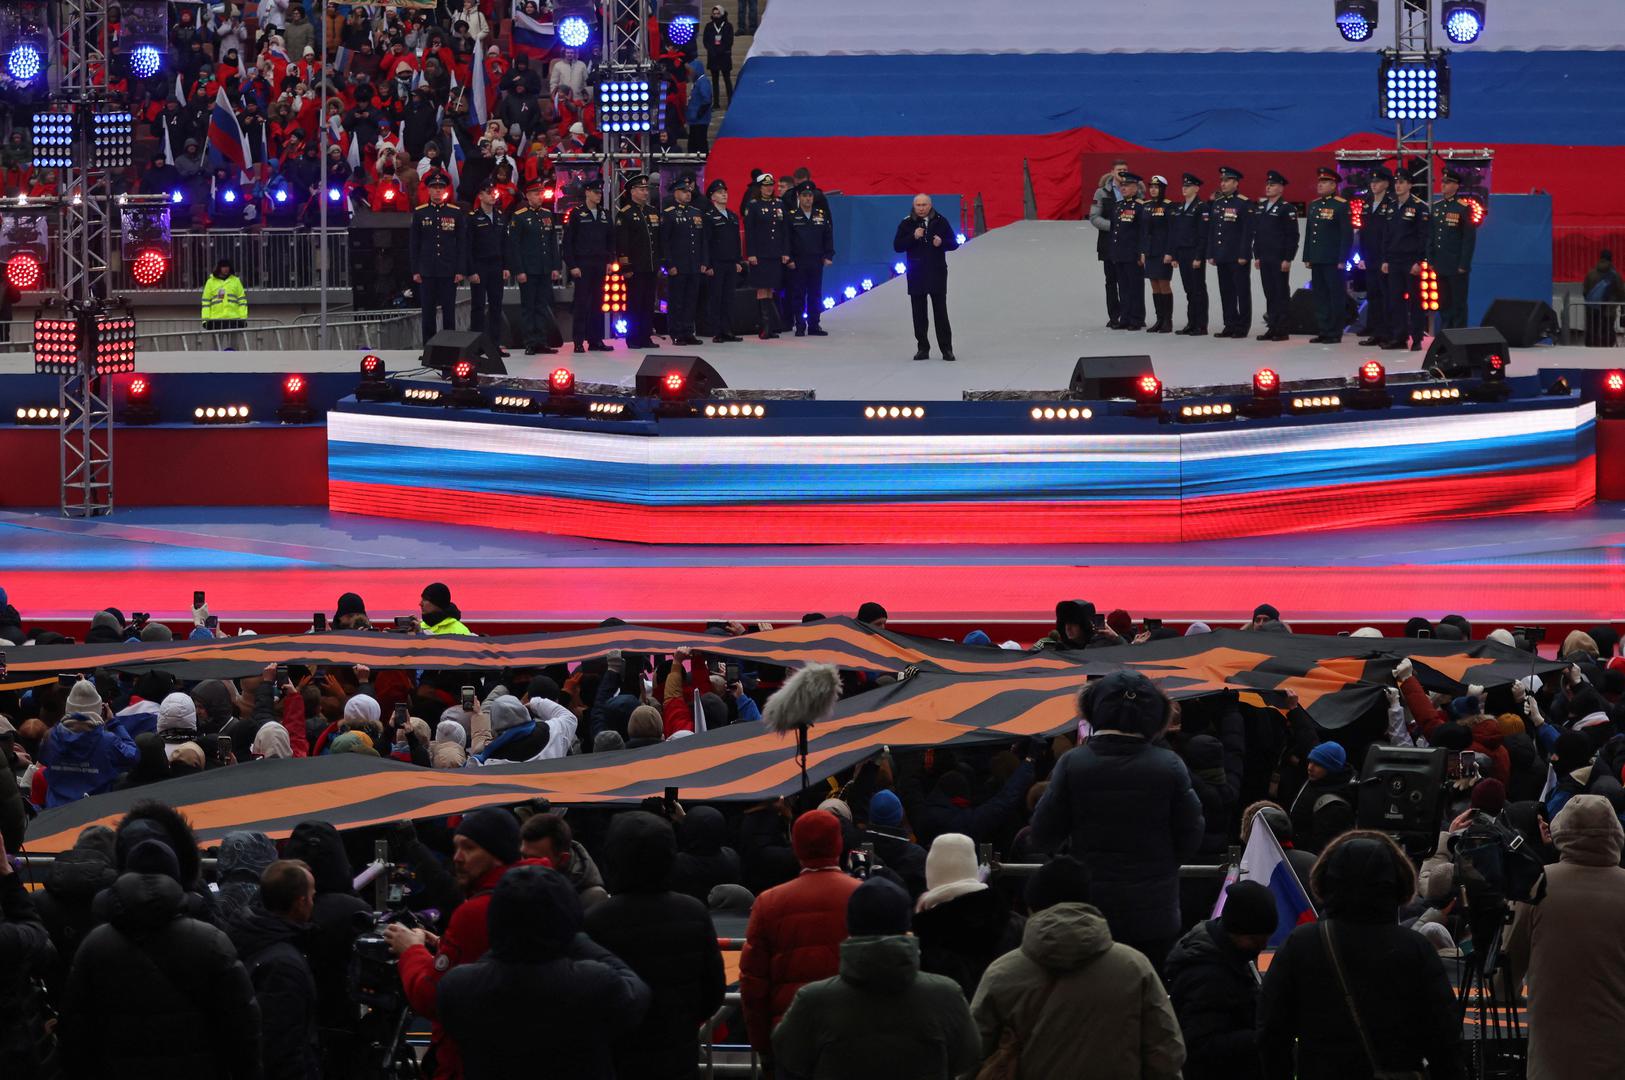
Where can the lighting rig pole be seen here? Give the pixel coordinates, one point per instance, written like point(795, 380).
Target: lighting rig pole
point(625, 38)
point(1413, 41)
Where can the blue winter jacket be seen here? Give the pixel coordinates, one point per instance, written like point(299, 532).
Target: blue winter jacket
point(83, 758)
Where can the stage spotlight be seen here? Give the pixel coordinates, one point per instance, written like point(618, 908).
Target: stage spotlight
point(1436, 395)
point(37, 415)
point(56, 346)
point(868, 283)
point(422, 395)
point(145, 60)
point(220, 414)
point(572, 24)
point(671, 385)
point(606, 409)
point(1061, 412)
point(894, 412)
point(112, 138)
point(1611, 395)
point(149, 267)
point(53, 134)
point(1189, 414)
point(1413, 89)
point(829, 302)
point(959, 237)
point(1371, 387)
point(514, 403)
point(374, 385)
point(620, 327)
point(1356, 19)
point(143, 36)
point(561, 382)
point(1492, 379)
point(850, 292)
point(24, 271)
point(1462, 20)
point(465, 393)
point(1372, 376)
point(682, 19)
point(295, 407)
point(1266, 394)
point(112, 344)
point(1428, 281)
point(1148, 390)
point(628, 105)
point(899, 268)
point(735, 410)
point(1315, 403)
point(25, 62)
point(138, 407)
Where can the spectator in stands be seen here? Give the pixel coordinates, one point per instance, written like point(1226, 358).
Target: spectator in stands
point(1325, 804)
point(1128, 808)
point(959, 921)
point(548, 836)
point(333, 931)
point(225, 304)
point(267, 937)
point(881, 1016)
point(1211, 984)
point(698, 108)
point(82, 755)
point(718, 39)
point(242, 859)
point(666, 938)
point(440, 615)
point(889, 834)
point(1407, 1012)
point(1570, 948)
point(948, 808)
point(1602, 286)
point(703, 860)
point(26, 954)
point(72, 882)
point(1070, 1001)
point(795, 929)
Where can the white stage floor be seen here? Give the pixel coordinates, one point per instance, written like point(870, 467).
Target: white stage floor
point(1026, 301)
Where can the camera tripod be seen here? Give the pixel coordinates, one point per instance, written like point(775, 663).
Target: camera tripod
point(1499, 1046)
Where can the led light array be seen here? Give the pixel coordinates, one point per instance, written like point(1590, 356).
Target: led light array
point(1317, 403)
point(1435, 395)
point(614, 290)
point(626, 106)
point(736, 409)
point(1223, 411)
point(53, 140)
point(38, 414)
point(115, 344)
point(421, 395)
point(513, 403)
point(1414, 89)
point(1069, 412)
point(56, 346)
point(1428, 282)
point(112, 139)
point(606, 408)
point(220, 414)
point(894, 412)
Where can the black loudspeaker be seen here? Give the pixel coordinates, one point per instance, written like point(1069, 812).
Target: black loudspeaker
point(1302, 317)
point(380, 258)
point(1465, 352)
point(513, 328)
point(699, 378)
point(1400, 788)
point(1522, 322)
point(1101, 378)
point(450, 346)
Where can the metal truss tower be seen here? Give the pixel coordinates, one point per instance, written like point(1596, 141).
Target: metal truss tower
point(1413, 40)
point(627, 57)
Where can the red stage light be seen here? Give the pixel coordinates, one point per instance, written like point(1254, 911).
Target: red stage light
point(1148, 390)
point(673, 383)
point(1372, 376)
point(24, 270)
point(562, 381)
point(1613, 384)
point(372, 367)
point(1266, 383)
point(140, 389)
point(149, 267)
point(389, 195)
point(547, 193)
point(462, 370)
point(294, 388)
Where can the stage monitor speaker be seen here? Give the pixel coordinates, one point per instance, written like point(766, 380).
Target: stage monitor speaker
point(450, 346)
point(699, 378)
point(1101, 378)
point(380, 252)
point(1400, 788)
point(1465, 352)
point(1522, 322)
point(1302, 317)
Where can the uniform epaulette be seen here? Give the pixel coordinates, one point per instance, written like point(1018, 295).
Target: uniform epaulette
point(1339, 198)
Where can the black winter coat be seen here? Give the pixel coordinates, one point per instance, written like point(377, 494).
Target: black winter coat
point(155, 993)
point(938, 814)
point(961, 937)
point(899, 854)
point(25, 954)
point(64, 906)
point(1216, 999)
point(927, 262)
point(764, 846)
point(269, 947)
point(704, 862)
point(333, 923)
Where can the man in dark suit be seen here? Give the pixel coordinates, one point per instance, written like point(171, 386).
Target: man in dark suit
point(924, 238)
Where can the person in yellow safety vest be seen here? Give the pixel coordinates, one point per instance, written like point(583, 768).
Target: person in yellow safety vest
point(440, 615)
point(225, 305)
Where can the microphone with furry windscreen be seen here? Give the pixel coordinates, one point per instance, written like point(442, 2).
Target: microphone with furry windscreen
point(808, 697)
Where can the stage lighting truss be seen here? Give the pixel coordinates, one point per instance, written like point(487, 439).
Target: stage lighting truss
point(1356, 19)
point(112, 139)
point(38, 415)
point(894, 412)
point(1044, 413)
point(1413, 87)
point(1436, 395)
point(1462, 20)
point(735, 410)
point(1197, 414)
point(628, 105)
point(53, 136)
point(422, 395)
point(145, 241)
point(220, 414)
point(1317, 403)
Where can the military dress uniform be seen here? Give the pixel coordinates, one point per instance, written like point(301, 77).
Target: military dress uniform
point(1156, 241)
point(1187, 238)
point(1124, 245)
point(1450, 252)
point(1374, 225)
point(1328, 240)
point(812, 240)
point(532, 258)
point(439, 252)
point(1230, 249)
point(1405, 241)
point(487, 251)
point(684, 246)
point(1275, 243)
point(589, 247)
point(637, 238)
point(767, 241)
point(727, 259)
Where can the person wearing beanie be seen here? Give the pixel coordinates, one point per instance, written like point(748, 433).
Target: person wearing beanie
point(607, 742)
point(1128, 808)
point(105, 629)
point(440, 615)
point(1262, 614)
point(872, 614)
point(157, 631)
point(350, 613)
point(1485, 731)
point(485, 844)
point(643, 727)
point(894, 847)
point(1330, 787)
point(829, 1032)
point(795, 929)
point(663, 935)
point(177, 712)
point(514, 735)
point(540, 966)
point(1121, 623)
point(958, 919)
point(1571, 759)
point(1489, 796)
point(1211, 984)
point(978, 638)
point(1076, 1002)
point(82, 755)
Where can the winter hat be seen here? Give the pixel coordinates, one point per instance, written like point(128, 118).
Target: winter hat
point(1249, 908)
point(1573, 751)
point(187, 755)
point(177, 713)
point(950, 870)
point(644, 723)
point(1198, 628)
point(1510, 724)
point(1453, 737)
point(271, 741)
point(505, 713)
point(977, 637)
point(362, 707)
point(816, 839)
point(730, 899)
point(349, 604)
point(1466, 705)
point(607, 741)
point(1062, 880)
point(885, 808)
point(200, 633)
point(1120, 623)
point(1503, 637)
point(106, 620)
point(1269, 611)
point(838, 808)
point(1125, 701)
point(1415, 624)
point(153, 857)
point(452, 732)
point(84, 701)
point(715, 711)
point(878, 906)
point(437, 594)
point(1367, 632)
point(352, 742)
point(1330, 756)
point(493, 829)
point(156, 631)
point(1606, 637)
point(870, 611)
point(1489, 795)
point(577, 129)
point(534, 912)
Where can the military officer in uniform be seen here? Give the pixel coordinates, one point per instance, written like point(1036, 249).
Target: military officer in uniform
point(812, 247)
point(531, 261)
point(487, 247)
point(1404, 247)
point(727, 262)
point(439, 250)
point(683, 245)
point(1328, 240)
point(767, 249)
point(637, 238)
point(1156, 253)
point(1187, 237)
point(1450, 250)
point(1275, 245)
point(1374, 224)
point(1230, 249)
point(1123, 246)
point(589, 248)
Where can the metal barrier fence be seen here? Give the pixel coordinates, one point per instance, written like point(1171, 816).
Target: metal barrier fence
point(1575, 247)
point(263, 258)
point(397, 328)
point(1594, 324)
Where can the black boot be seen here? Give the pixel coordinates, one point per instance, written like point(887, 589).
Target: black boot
point(1165, 313)
point(764, 311)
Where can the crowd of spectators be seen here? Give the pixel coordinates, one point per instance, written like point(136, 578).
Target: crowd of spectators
point(880, 936)
point(401, 98)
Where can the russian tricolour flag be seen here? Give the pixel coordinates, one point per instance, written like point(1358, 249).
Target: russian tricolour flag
point(226, 141)
point(531, 39)
point(1263, 861)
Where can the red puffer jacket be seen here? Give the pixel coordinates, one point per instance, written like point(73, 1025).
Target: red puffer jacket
point(1485, 730)
point(796, 929)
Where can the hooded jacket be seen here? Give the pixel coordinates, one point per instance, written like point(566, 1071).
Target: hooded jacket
point(667, 938)
point(1216, 999)
point(830, 1031)
point(540, 967)
point(704, 861)
point(1571, 947)
point(333, 922)
point(269, 947)
point(795, 929)
point(65, 905)
point(1107, 1016)
point(243, 857)
point(25, 952)
point(194, 1015)
point(1486, 730)
point(83, 757)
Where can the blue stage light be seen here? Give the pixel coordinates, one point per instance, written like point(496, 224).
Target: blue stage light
point(899, 268)
point(176, 196)
point(145, 60)
point(334, 194)
point(1356, 19)
point(620, 326)
point(1462, 20)
point(850, 292)
point(829, 302)
point(681, 29)
point(230, 196)
point(960, 237)
point(573, 31)
point(281, 195)
point(24, 63)
point(868, 283)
